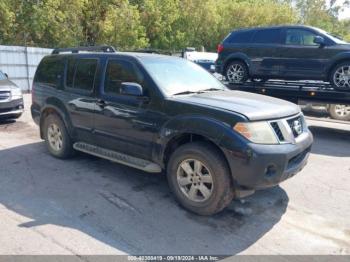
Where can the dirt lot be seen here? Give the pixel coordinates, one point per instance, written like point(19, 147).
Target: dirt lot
point(91, 206)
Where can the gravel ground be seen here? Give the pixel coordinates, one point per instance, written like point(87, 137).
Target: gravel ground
point(88, 205)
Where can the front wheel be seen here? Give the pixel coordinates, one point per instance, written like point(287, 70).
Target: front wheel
point(200, 179)
point(236, 72)
point(339, 112)
point(340, 77)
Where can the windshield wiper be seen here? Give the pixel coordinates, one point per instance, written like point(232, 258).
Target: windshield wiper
point(185, 93)
point(211, 89)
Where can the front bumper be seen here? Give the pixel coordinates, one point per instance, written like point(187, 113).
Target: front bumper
point(263, 166)
point(10, 108)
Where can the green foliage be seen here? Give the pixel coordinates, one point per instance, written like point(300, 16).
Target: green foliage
point(160, 24)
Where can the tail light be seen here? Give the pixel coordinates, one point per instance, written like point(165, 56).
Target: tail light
point(220, 48)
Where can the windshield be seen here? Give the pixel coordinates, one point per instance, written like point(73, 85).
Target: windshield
point(332, 37)
point(2, 76)
point(180, 76)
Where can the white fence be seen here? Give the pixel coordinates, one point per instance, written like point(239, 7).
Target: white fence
point(20, 63)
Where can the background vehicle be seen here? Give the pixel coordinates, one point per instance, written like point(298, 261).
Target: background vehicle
point(204, 59)
point(310, 95)
point(285, 52)
point(11, 99)
point(157, 113)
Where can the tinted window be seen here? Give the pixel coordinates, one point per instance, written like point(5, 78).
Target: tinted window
point(84, 76)
point(267, 36)
point(119, 71)
point(299, 37)
point(50, 71)
point(240, 37)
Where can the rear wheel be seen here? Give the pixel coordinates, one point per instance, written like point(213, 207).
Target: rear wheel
point(236, 72)
point(339, 112)
point(56, 137)
point(200, 179)
point(340, 77)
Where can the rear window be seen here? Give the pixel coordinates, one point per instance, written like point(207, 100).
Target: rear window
point(81, 73)
point(267, 36)
point(50, 71)
point(240, 37)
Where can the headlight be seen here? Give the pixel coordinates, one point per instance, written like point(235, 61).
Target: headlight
point(16, 93)
point(257, 132)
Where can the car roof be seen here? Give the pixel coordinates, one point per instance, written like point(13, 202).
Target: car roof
point(136, 55)
point(274, 27)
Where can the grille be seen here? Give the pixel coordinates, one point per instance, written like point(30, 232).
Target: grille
point(4, 95)
point(292, 127)
point(278, 131)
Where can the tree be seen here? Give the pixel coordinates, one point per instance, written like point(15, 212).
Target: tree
point(122, 27)
point(7, 18)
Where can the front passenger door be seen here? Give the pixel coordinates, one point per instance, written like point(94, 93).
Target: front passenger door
point(124, 123)
point(301, 57)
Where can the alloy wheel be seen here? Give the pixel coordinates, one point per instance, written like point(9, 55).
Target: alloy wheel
point(342, 110)
point(54, 135)
point(195, 180)
point(235, 73)
point(342, 77)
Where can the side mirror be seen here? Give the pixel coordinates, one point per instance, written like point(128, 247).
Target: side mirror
point(319, 40)
point(7, 76)
point(131, 89)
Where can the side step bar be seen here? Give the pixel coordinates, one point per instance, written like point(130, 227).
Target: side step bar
point(114, 156)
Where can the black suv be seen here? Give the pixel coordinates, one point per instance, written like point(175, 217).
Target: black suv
point(285, 52)
point(155, 113)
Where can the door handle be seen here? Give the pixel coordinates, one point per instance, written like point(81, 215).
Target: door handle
point(101, 103)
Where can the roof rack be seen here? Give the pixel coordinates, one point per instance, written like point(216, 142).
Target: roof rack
point(103, 48)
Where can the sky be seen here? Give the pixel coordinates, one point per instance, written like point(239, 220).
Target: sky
point(345, 13)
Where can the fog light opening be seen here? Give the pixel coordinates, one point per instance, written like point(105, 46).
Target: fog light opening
point(270, 171)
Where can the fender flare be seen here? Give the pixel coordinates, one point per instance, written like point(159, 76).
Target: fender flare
point(237, 56)
point(339, 58)
point(54, 104)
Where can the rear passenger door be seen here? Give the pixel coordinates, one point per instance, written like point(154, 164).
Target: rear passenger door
point(124, 123)
point(265, 52)
point(80, 86)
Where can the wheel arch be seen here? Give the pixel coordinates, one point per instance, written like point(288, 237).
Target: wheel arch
point(189, 137)
point(237, 57)
point(335, 63)
point(55, 106)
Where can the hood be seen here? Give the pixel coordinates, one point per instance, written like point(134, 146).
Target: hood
point(253, 106)
point(6, 85)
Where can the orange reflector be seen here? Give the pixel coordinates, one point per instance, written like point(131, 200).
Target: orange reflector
point(243, 130)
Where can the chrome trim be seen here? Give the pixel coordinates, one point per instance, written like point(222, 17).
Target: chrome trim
point(286, 130)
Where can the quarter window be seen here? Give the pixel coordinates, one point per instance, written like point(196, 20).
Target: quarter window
point(299, 37)
point(267, 36)
point(50, 71)
point(119, 71)
point(240, 37)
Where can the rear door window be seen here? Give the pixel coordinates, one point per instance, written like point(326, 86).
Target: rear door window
point(267, 36)
point(50, 72)
point(81, 74)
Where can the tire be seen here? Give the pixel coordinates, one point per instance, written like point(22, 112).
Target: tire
point(213, 166)
point(56, 137)
point(236, 72)
point(339, 112)
point(341, 81)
